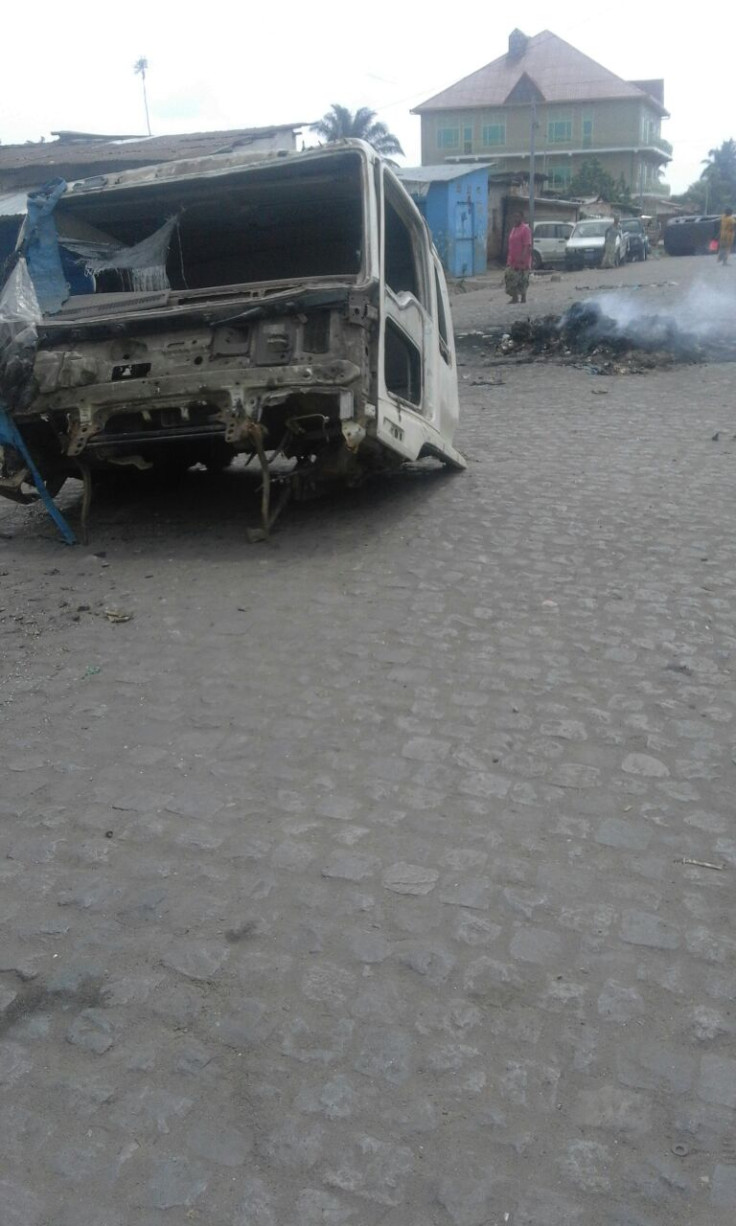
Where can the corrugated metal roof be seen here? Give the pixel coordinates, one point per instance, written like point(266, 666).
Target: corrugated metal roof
point(442, 173)
point(90, 151)
point(560, 72)
point(13, 204)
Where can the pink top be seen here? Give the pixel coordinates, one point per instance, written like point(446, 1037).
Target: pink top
point(520, 247)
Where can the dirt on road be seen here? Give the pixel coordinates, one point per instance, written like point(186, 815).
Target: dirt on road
point(382, 874)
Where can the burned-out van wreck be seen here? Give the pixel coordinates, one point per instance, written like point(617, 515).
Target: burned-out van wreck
point(283, 307)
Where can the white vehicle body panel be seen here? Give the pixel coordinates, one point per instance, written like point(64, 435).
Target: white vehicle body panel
point(247, 304)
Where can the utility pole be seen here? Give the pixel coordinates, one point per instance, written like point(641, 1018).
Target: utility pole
point(532, 161)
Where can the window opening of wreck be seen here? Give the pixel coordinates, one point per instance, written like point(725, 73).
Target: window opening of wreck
point(406, 275)
point(402, 365)
point(281, 222)
point(401, 270)
point(441, 320)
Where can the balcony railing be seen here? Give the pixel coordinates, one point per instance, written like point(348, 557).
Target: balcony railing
point(660, 143)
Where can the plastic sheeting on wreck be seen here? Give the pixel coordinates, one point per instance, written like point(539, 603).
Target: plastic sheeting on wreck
point(146, 261)
point(20, 313)
point(41, 247)
point(49, 254)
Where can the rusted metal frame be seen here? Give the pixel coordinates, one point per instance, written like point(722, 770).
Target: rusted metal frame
point(251, 429)
point(86, 500)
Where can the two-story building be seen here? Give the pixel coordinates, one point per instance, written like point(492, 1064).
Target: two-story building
point(575, 108)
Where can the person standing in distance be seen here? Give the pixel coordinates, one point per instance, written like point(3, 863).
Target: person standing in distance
point(726, 235)
point(519, 259)
point(612, 245)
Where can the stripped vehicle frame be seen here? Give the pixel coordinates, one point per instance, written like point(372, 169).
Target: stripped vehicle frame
point(288, 307)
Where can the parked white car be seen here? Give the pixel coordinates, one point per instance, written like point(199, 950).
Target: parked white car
point(584, 248)
point(550, 238)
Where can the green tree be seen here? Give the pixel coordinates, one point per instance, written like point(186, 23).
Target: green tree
point(695, 198)
point(592, 180)
point(341, 124)
point(719, 176)
point(716, 187)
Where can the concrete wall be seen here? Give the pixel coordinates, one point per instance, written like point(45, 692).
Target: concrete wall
point(614, 124)
point(501, 206)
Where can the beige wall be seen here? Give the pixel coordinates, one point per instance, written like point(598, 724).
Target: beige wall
point(616, 164)
point(614, 123)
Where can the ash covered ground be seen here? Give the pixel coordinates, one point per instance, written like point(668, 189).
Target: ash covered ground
point(654, 316)
point(383, 875)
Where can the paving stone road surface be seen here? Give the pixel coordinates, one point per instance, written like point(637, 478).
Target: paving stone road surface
point(384, 876)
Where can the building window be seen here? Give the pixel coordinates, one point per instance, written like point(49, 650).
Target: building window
point(467, 140)
point(650, 131)
point(448, 138)
point(559, 177)
point(587, 132)
point(559, 131)
point(494, 134)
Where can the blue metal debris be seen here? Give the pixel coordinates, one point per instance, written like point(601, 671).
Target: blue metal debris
point(11, 436)
point(41, 247)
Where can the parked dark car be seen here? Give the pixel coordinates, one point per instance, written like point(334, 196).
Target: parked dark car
point(638, 238)
point(691, 235)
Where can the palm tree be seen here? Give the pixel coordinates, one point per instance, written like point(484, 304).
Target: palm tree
point(341, 124)
point(721, 161)
point(719, 176)
point(139, 68)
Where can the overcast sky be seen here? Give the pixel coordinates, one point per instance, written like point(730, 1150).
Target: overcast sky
point(245, 65)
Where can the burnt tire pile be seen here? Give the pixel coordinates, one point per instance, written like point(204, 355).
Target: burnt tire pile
point(586, 330)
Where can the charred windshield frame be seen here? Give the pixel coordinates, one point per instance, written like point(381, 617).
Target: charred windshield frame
point(279, 223)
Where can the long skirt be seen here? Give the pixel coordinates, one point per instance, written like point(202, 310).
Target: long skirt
point(516, 281)
point(609, 251)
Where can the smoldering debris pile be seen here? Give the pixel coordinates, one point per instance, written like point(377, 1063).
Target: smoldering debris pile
point(585, 333)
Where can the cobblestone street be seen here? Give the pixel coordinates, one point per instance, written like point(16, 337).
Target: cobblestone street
point(383, 875)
